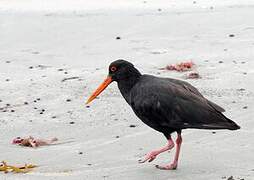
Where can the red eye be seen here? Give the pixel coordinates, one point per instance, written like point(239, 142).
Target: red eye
point(113, 69)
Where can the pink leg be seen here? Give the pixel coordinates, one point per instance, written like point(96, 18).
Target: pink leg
point(173, 165)
point(152, 155)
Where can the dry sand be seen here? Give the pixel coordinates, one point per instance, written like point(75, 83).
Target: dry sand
point(42, 43)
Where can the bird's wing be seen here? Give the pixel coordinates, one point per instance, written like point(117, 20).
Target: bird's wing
point(150, 107)
point(166, 104)
point(195, 91)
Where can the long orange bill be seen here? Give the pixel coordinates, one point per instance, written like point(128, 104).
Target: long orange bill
point(96, 93)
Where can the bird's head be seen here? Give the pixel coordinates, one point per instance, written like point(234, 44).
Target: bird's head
point(118, 70)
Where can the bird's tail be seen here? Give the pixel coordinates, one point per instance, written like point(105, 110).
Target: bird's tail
point(232, 125)
point(226, 124)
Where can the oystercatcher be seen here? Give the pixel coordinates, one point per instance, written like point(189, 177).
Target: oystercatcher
point(166, 105)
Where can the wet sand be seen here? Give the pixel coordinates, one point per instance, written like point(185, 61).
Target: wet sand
point(51, 60)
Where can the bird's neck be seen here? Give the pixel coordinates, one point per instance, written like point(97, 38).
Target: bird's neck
point(128, 82)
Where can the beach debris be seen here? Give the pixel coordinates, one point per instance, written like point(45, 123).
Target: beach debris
point(118, 37)
point(231, 35)
point(180, 67)
point(132, 126)
point(33, 142)
point(159, 51)
point(36, 100)
point(17, 169)
point(241, 89)
point(70, 78)
point(72, 122)
point(42, 110)
point(39, 67)
point(231, 178)
point(43, 66)
point(193, 75)
point(68, 100)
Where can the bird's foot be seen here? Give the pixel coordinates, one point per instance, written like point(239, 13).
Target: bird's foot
point(149, 157)
point(171, 166)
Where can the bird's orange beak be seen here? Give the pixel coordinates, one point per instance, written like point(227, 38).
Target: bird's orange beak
point(103, 85)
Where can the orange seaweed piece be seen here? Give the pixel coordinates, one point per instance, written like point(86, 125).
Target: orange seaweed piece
point(180, 67)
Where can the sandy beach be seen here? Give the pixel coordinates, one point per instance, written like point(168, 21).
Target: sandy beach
point(54, 54)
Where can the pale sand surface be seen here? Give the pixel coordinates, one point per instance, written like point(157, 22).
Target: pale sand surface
point(80, 39)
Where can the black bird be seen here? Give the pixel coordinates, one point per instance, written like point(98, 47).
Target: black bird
point(166, 105)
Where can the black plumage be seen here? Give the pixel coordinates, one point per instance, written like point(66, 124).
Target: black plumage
point(167, 105)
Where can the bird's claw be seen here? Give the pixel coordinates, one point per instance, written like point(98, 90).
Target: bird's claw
point(149, 157)
point(172, 166)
